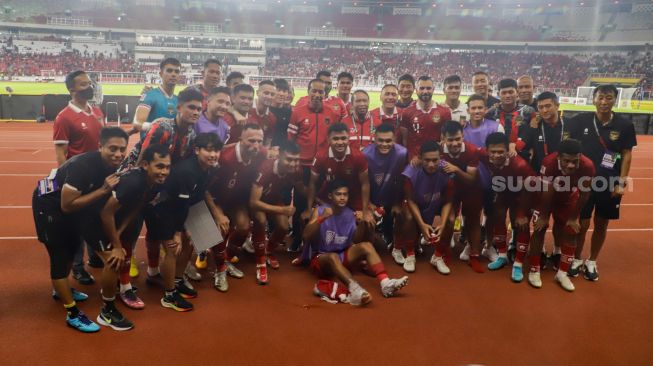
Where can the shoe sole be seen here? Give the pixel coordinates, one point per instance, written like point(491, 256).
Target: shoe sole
point(186, 296)
point(119, 329)
point(535, 286)
point(221, 290)
point(174, 307)
point(82, 330)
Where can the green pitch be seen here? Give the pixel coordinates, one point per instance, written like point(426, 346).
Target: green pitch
point(33, 88)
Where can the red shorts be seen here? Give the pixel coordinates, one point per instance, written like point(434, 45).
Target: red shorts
point(563, 206)
point(320, 272)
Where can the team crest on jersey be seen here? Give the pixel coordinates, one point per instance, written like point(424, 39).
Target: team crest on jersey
point(614, 135)
point(232, 181)
point(306, 121)
point(171, 110)
point(336, 108)
point(519, 120)
point(142, 97)
point(436, 118)
point(565, 135)
point(327, 120)
point(330, 235)
point(329, 175)
point(84, 125)
point(378, 178)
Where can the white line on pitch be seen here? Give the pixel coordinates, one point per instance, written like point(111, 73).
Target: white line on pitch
point(37, 151)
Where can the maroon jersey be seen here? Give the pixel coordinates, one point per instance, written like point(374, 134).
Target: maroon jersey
point(422, 126)
point(275, 185)
point(469, 156)
point(232, 183)
point(327, 166)
point(393, 119)
point(266, 120)
point(78, 129)
point(361, 132)
point(566, 186)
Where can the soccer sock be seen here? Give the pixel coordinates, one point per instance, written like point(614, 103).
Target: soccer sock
point(567, 257)
point(379, 271)
point(153, 254)
point(258, 240)
point(169, 293)
point(500, 238)
point(523, 238)
point(475, 263)
point(218, 252)
point(236, 240)
point(398, 243)
point(556, 250)
point(151, 271)
point(125, 287)
point(535, 261)
point(440, 248)
point(109, 302)
point(409, 245)
point(73, 311)
point(275, 239)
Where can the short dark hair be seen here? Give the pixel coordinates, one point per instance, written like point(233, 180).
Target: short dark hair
point(474, 97)
point(281, 84)
point(451, 128)
point(361, 91)
point(606, 88)
point(389, 86)
point(336, 184)
point(429, 146)
point(345, 74)
point(385, 127)
point(406, 77)
point(507, 83)
point(497, 138)
point(337, 127)
point(316, 80)
point(218, 90)
point(234, 75)
point(480, 72)
point(205, 140)
point(452, 79)
point(547, 95)
point(108, 133)
point(169, 61)
point(326, 73)
point(245, 88)
point(424, 78)
point(158, 149)
point(189, 94)
point(212, 61)
point(266, 82)
point(251, 126)
point(290, 147)
point(570, 147)
point(70, 78)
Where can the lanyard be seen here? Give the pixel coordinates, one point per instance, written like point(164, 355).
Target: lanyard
point(360, 137)
point(596, 128)
point(562, 134)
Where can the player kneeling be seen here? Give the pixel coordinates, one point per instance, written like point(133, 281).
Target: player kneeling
point(335, 239)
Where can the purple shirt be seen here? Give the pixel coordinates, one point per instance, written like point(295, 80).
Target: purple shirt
point(221, 129)
point(478, 135)
point(429, 190)
point(337, 231)
point(385, 173)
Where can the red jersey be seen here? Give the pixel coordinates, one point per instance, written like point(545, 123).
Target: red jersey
point(515, 172)
point(422, 126)
point(361, 133)
point(326, 165)
point(513, 167)
point(232, 183)
point(205, 95)
point(275, 185)
point(78, 129)
point(393, 119)
point(333, 102)
point(266, 120)
point(309, 130)
point(469, 155)
point(566, 186)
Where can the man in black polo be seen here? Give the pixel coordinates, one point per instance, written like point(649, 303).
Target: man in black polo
point(608, 140)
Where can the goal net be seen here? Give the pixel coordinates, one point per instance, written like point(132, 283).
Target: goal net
point(627, 98)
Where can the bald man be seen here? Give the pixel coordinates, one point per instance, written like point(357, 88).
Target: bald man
point(525, 88)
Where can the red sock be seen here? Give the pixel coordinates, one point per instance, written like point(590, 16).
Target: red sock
point(398, 243)
point(219, 257)
point(568, 251)
point(499, 239)
point(534, 260)
point(275, 239)
point(475, 263)
point(378, 270)
point(440, 249)
point(153, 253)
point(258, 240)
point(523, 237)
point(236, 240)
point(409, 245)
point(124, 270)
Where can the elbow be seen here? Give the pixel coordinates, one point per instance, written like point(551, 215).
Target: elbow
point(67, 208)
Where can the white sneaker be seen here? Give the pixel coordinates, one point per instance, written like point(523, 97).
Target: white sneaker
point(453, 242)
point(220, 281)
point(191, 272)
point(490, 253)
point(423, 241)
point(534, 279)
point(439, 264)
point(248, 246)
point(391, 285)
point(398, 256)
point(575, 268)
point(464, 255)
point(564, 281)
point(409, 264)
point(357, 295)
point(233, 271)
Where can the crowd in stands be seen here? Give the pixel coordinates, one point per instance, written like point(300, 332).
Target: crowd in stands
point(31, 64)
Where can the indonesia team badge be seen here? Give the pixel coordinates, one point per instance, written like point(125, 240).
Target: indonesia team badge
point(436, 118)
point(614, 135)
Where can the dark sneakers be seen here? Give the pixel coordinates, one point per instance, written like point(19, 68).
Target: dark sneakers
point(114, 319)
point(83, 277)
point(176, 302)
point(185, 289)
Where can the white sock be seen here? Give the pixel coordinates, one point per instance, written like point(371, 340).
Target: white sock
point(517, 264)
point(556, 250)
point(503, 255)
point(152, 271)
point(125, 288)
point(384, 281)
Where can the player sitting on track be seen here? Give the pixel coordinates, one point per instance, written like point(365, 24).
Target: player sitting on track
point(336, 242)
point(275, 181)
point(566, 181)
point(511, 175)
point(428, 192)
point(228, 201)
point(79, 184)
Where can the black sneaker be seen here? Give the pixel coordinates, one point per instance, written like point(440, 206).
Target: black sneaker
point(83, 277)
point(114, 319)
point(156, 280)
point(555, 261)
point(512, 253)
point(544, 261)
point(95, 262)
point(185, 289)
point(176, 302)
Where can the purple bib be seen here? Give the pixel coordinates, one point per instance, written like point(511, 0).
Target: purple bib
point(384, 172)
point(478, 135)
point(428, 190)
point(337, 231)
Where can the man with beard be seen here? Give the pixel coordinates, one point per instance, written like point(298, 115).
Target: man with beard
point(481, 85)
point(261, 114)
point(422, 121)
point(361, 123)
point(406, 84)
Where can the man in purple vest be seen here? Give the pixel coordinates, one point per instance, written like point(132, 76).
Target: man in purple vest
point(385, 163)
point(428, 193)
point(212, 118)
point(478, 127)
point(336, 245)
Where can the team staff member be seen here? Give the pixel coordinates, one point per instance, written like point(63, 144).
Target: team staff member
point(406, 85)
point(360, 122)
point(525, 88)
point(212, 119)
point(79, 184)
point(345, 81)
point(452, 87)
point(337, 246)
point(551, 128)
point(608, 140)
point(422, 121)
point(388, 112)
point(308, 128)
point(160, 102)
point(478, 128)
point(77, 130)
point(211, 75)
point(332, 102)
point(282, 111)
point(481, 86)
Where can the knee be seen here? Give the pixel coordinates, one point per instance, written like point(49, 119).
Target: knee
point(366, 246)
